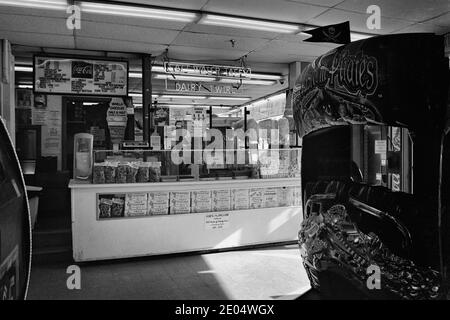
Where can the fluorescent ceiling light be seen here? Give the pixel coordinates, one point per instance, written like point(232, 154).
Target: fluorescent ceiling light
point(135, 75)
point(23, 69)
point(158, 69)
point(37, 4)
point(244, 81)
point(139, 95)
point(183, 78)
point(138, 11)
point(354, 36)
point(253, 24)
point(25, 86)
point(266, 76)
point(89, 103)
point(228, 98)
point(181, 97)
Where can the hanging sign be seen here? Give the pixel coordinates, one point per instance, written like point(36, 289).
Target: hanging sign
point(53, 75)
point(116, 116)
point(203, 87)
point(183, 68)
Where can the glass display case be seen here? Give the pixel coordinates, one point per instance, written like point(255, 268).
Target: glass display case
point(142, 166)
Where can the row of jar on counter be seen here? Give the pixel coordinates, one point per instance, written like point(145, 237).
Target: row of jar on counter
point(126, 172)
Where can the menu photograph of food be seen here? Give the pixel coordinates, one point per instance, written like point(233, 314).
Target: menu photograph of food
point(80, 76)
point(270, 198)
point(221, 200)
point(136, 204)
point(201, 201)
point(256, 196)
point(180, 202)
point(111, 205)
point(158, 202)
point(240, 199)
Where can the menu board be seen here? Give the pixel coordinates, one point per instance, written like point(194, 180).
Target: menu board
point(221, 200)
point(201, 201)
point(116, 116)
point(135, 204)
point(180, 202)
point(270, 198)
point(240, 199)
point(80, 76)
point(256, 196)
point(158, 202)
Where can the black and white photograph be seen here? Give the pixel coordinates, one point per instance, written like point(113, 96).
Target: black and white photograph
point(224, 158)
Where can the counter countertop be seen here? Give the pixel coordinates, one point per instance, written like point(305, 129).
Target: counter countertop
point(77, 184)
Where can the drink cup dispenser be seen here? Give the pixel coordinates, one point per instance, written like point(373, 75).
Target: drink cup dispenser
point(83, 153)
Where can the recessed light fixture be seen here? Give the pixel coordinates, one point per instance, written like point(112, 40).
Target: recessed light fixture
point(135, 75)
point(181, 97)
point(23, 69)
point(229, 98)
point(245, 81)
point(25, 86)
point(138, 12)
point(139, 95)
point(354, 36)
point(37, 4)
point(244, 23)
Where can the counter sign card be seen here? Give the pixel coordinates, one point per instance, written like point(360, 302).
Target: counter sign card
point(217, 221)
point(80, 76)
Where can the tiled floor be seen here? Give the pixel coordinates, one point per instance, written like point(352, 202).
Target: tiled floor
point(261, 273)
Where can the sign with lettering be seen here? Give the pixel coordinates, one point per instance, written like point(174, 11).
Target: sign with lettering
point(371, 81)
point(194, 69)
point(54, 75)
point(203, 87)
point(217, 221)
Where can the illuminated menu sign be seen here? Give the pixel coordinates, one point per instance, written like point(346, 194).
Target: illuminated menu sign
point(80, 76)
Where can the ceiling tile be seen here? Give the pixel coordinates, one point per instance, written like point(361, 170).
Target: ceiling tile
point(38, 39)
point(277, 57)
point(34, 24)
point(191, 53)
point(425, 27)
point(412, 10)
point(118, 45)
point(267, 9)
point(358, 21)
point(184, 4)
point(325, 3)
point(295, 48)
point(212, 41)
point(125, 32)
point(443, 20)
point(232, 32)
point(133, 21)
point(33, 12)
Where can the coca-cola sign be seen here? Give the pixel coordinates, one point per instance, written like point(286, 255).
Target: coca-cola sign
point(80, 76)
point(82, 69)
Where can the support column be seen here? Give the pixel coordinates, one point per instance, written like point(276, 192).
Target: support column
point(147, 96)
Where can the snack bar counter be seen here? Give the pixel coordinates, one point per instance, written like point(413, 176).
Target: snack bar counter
point(139, 203)
point(111, 221)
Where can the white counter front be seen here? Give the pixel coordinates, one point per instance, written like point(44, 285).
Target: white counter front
point(132, 236)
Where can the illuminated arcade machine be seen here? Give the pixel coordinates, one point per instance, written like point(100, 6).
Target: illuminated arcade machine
point(372, 115)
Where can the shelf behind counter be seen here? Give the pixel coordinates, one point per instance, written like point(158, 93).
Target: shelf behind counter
point(125, 237)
